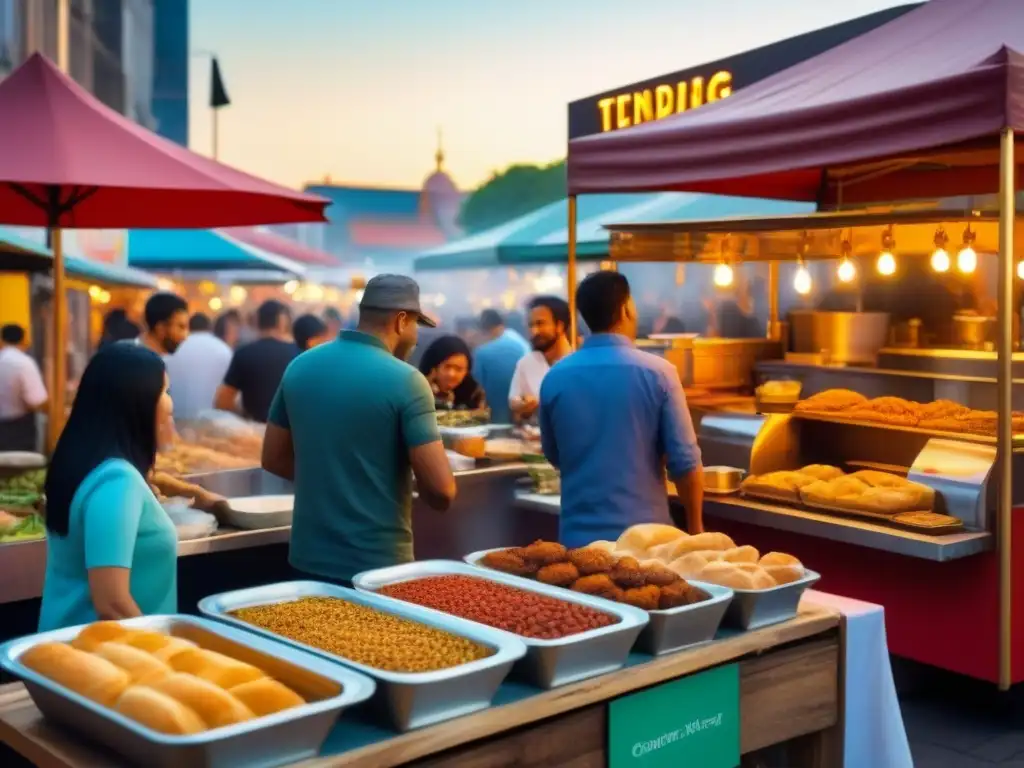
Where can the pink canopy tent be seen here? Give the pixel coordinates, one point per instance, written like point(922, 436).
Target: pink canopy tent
point(68, 161)
point(281, 246)
point(910, 109)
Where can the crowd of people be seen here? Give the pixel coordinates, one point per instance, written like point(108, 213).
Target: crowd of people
point(351, 423)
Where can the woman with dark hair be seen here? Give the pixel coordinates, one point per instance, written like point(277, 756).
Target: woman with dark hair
point(111, 548)
point(446, 364)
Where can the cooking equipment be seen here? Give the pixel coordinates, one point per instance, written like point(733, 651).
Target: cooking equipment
point(849, 337)
point(722, 479)
point(756, 608)
point(254, 512)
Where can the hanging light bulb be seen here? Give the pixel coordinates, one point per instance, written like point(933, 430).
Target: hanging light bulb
point(940, 258)
point(886, 264)
point(1020, 270)
point(847, 271)
point(967, 259)
point(723, 275)
point(802, 280)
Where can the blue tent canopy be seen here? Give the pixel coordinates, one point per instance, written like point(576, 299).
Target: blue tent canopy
point(541, 237)
point(199, 250)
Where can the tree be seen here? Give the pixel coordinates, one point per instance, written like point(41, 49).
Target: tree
point(511, 193)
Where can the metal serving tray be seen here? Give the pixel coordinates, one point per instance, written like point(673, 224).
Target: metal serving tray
point(756, 608)
point(548, 663)
point(669, 630)
point(409, 700)
point(285, 737)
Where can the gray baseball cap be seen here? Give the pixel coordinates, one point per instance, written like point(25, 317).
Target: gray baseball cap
point(396, 293)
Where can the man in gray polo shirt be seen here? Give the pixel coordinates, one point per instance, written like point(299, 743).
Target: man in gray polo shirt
point(349, 421)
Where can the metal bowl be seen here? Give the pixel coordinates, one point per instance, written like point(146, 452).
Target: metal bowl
point(722, 479)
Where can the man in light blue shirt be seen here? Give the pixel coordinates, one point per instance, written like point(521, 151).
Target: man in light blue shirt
point(613, 419)
point(494, 363)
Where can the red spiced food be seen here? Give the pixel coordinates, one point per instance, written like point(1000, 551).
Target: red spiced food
point(524, 613)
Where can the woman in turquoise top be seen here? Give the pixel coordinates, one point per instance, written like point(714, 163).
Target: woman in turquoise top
point(111, 548)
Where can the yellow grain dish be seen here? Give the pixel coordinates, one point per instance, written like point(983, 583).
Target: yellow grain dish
point(364, 635)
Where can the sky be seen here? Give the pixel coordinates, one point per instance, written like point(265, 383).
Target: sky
point(358, 89)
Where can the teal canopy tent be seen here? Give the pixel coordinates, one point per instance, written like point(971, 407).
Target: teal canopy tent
point(200, 250)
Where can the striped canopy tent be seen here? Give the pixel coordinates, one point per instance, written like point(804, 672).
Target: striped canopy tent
point(202, 250)
point(541, 237)
point(20, 252)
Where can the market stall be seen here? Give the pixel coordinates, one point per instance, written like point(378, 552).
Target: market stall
point(793, 137)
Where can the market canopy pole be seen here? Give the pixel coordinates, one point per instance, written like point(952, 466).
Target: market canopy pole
point(1007, 205)
point(570, 278)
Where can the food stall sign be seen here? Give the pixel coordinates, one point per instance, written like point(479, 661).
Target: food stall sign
point(660, 97)
point(694, 721)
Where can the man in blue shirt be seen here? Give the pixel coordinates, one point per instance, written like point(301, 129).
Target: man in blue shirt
point(613, 419)
point(494, 363)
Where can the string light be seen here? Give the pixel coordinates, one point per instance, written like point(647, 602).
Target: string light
point(847, 270)
point(886, 264)
point(723, 275)
point(802, 282)
point(967, 259)
point(940, 258)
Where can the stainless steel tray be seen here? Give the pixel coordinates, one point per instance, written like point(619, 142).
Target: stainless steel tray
point(408, 700)
point(673, 629)
point(548, 663)
point(756, 608)
point(286, 737)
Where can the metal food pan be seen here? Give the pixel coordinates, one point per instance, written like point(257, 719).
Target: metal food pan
point(285, 737)
point(548, 663)
point(756, 608)
point(408, 699)
point(672, 629)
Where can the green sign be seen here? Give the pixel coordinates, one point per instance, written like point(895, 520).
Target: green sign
point(693, 722)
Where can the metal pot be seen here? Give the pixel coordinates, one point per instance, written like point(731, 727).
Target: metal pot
point(974, 331)
point(849, 337)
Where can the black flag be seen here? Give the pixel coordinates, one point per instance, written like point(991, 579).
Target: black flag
point(218, 93)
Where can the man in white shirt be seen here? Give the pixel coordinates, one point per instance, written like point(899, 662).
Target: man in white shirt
point(22, 393)
point(549, 328)
point(197, 368)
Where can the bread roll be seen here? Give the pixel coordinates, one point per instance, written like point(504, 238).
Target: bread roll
point(266, 696)
point(607, 546)
point(142, 667)
point(99, 632)
point(159, 711)
point(785, 574)
point(85, 674)
point(692, 563)
point(746, 576)
point(778, 558)
point(170, 647)
point(638, 539)
point(821, 471)
point(215, 667)
point(714, 542)
point(744, 554)
point(215, 706)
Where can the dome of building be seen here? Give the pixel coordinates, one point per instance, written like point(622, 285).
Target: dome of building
point(440, 199)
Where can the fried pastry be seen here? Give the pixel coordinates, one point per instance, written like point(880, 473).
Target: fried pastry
point(832, 400)
point(784, 484)
point(821, 471)
point(941, 409)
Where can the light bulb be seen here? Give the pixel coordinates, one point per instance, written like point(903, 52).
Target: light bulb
point(216, 303)
point(967, 260)
point(940, 260)
point(802, 281)
point(886, 264)
point(1020, 269)
point(291, 286)
point(723, 275)
point(847, 271)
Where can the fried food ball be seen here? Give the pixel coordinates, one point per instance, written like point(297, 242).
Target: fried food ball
point(645, 598)
point(590, 560)
point(658, 574)
point(543, 552)
point(680, 593)
point(507, 561)
point(627, 573)
point(598, 585)
point(558, 574)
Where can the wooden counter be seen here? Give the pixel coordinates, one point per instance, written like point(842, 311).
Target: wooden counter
point(789, 695)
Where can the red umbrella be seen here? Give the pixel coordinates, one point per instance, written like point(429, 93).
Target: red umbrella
point(281, 246)
point(68, 161)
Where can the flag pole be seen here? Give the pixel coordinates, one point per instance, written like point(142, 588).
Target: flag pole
point(216, 132)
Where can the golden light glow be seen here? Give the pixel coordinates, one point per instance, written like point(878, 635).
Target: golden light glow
point(95, 292)
point(802, 280)
point(215, 303)
point(967, 260)
point(1020, 269)
point(940, 260)
point(723, 275)
point(846, 271)
point(636, 107)
point(886, 264)
point(237, 294)
point(207, 287)
point(291, 286)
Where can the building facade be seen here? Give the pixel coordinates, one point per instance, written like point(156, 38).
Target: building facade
point(171, 69)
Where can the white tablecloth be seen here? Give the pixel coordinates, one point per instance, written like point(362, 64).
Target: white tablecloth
point(874, 736)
